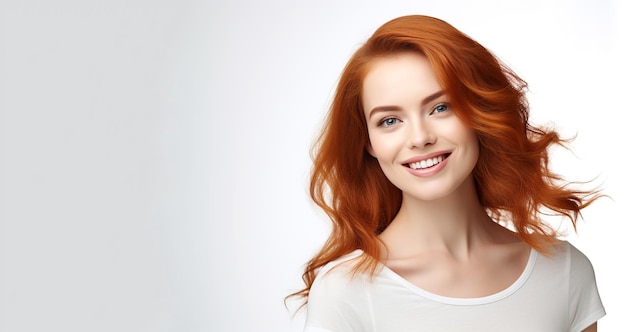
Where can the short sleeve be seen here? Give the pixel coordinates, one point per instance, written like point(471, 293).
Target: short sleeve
point(585, 305)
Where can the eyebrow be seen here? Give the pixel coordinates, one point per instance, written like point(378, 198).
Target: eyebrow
point(425, 101)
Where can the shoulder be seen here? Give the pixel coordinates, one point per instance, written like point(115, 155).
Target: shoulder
point(574, 260)
point(338, 276)
point(338, 299)
point(579, 267)
point(567, 277)
point(565, 262)
point(345, 260)
point(578, 261)
point(585, 302)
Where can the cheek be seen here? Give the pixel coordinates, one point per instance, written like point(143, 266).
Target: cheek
point(463, 133)
point(379, 147)
point(473, 146)
point(466, 137)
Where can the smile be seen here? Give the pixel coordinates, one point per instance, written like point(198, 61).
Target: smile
point(426, 163)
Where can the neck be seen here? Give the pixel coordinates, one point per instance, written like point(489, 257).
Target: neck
point(455, 224)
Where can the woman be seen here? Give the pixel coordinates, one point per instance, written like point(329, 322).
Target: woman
point(435, 183)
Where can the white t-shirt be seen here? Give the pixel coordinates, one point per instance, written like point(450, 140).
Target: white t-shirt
point(554, 293)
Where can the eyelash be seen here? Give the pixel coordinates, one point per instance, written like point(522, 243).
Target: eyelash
point(383, 122)
point(437, 109)
point(446, 105)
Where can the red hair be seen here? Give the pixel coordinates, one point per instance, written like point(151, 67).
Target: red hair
point(513, 180)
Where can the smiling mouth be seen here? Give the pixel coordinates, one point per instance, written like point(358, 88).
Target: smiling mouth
point(426, 163)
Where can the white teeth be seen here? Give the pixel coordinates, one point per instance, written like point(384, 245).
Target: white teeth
point(426, 163)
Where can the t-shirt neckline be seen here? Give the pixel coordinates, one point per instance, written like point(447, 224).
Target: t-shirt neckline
point(514, 287)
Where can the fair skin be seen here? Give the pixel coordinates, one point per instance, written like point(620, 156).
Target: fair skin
point(441, 240)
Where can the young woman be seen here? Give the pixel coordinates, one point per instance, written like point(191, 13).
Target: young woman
point(435, 183)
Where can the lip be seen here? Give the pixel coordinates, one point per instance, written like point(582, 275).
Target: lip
point(430, 171)
point(427, 156)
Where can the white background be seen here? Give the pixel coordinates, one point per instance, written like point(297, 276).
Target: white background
point(154, 154)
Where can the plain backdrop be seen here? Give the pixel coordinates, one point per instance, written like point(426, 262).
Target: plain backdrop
point(154, 155)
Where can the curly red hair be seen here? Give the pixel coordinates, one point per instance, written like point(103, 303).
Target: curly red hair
point(513, 180)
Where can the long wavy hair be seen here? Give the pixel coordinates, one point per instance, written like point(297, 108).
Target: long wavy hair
point(514, 183)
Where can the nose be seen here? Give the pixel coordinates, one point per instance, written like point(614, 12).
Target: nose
point(421, 134)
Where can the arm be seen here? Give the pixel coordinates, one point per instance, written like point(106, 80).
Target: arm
point(592, 328)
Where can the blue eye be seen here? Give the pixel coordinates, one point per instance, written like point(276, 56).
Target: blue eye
point(387, 122)
point(440, 108)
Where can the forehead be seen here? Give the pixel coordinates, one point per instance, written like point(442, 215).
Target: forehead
point(399, 78)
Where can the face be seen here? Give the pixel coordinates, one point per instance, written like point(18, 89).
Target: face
point(421, 145)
